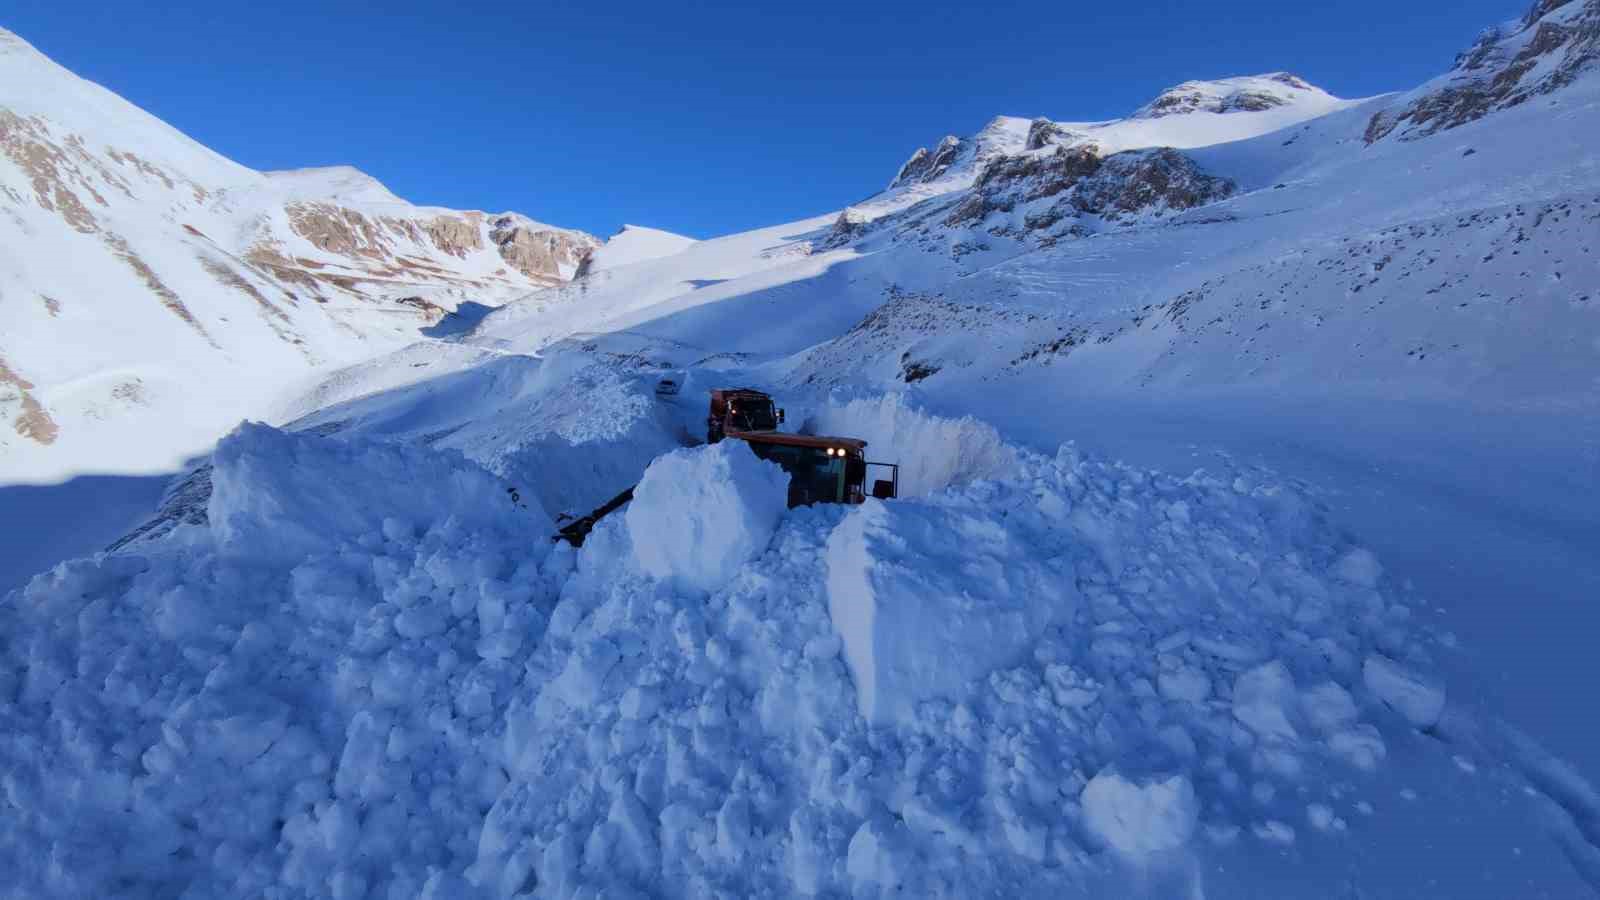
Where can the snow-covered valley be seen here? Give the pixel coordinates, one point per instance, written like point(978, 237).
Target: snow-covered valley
point(1246, 544)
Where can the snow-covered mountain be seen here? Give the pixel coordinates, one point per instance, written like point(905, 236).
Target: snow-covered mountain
point(1346, 656)
point(155, 292)
point(633, 244)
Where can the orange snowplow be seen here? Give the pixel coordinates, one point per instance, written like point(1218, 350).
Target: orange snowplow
point(822, 468)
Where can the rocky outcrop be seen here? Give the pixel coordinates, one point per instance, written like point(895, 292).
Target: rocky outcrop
point(1043, 133)
point(926, 165)
point(28, 417)
point(1551, 46)
point(1084, 183)
point(845, 229)
point(540, 253)
point(546, 255)
point(1237, 95)
point(1140, 181)
point(54, 175)
point(336, 229)
point(456, 235)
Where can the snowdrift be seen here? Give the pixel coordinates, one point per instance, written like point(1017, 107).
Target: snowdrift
point(296, 698)
point(933, 451)
point(1134, 663)
point(369, 675)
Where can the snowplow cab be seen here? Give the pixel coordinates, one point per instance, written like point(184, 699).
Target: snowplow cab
point(823, 469)
point(740, 410)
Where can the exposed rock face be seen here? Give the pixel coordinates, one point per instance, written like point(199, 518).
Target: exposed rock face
point(456, 236)
point(1083, 182)
point(539, 253)
point(336, 229)
point(546, 255)
point(1222, 97)
point(56, 177)
point(844, 230)
point(28, 417)
point(1043, 133)
point(1556, 42)
point(926, 165)
point(1158, 180)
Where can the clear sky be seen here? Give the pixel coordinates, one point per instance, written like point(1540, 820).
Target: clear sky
point(703, 118)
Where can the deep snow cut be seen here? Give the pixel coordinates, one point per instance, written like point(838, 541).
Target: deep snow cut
point(361, 668)
point(454, 703)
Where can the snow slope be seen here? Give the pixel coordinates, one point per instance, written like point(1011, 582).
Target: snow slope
point(1245, 550)
point(633, 244)
point(155, 292)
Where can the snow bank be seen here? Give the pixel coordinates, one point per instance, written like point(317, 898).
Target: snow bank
point(699, 514)
point(272, 497)
point(915, 623)
point(294, 699)
point(1074, 657)
point(934, 452)
point(419, 698)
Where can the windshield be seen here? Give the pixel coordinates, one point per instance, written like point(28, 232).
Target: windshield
point(814, 476)
point(752, 415)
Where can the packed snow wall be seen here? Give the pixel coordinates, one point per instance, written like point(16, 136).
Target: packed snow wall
point(933, 451)
point(298, 696)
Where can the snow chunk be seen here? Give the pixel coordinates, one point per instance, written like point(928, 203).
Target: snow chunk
point(928, 598)
point(699, 514)
point(1360, 567)
point(1264, 698)
point(878, 855)
point(1138, 819)
point(1419, 699)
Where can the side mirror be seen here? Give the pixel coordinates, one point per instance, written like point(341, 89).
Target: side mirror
point(883, 489)
point(780, 415)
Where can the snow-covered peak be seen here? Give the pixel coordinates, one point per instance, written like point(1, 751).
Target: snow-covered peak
point(636, 243)
point(1192, 114)
point(1249, 93)
point(1205, 113)
point(1554, 45)
point(343, 184)
point(34, 86)
point(956, 161)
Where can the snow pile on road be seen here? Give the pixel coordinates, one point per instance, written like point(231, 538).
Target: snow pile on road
point(563, 429)
point(1184, 653)
point(296, 698)
point(914, 630)
point(933, 451)
point(271, 495)
point(369, 675)
point(699, 514)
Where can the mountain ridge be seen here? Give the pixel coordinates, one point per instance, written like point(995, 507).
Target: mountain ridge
point(138, 267)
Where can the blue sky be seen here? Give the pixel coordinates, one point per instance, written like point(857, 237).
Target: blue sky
point(706, 118)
